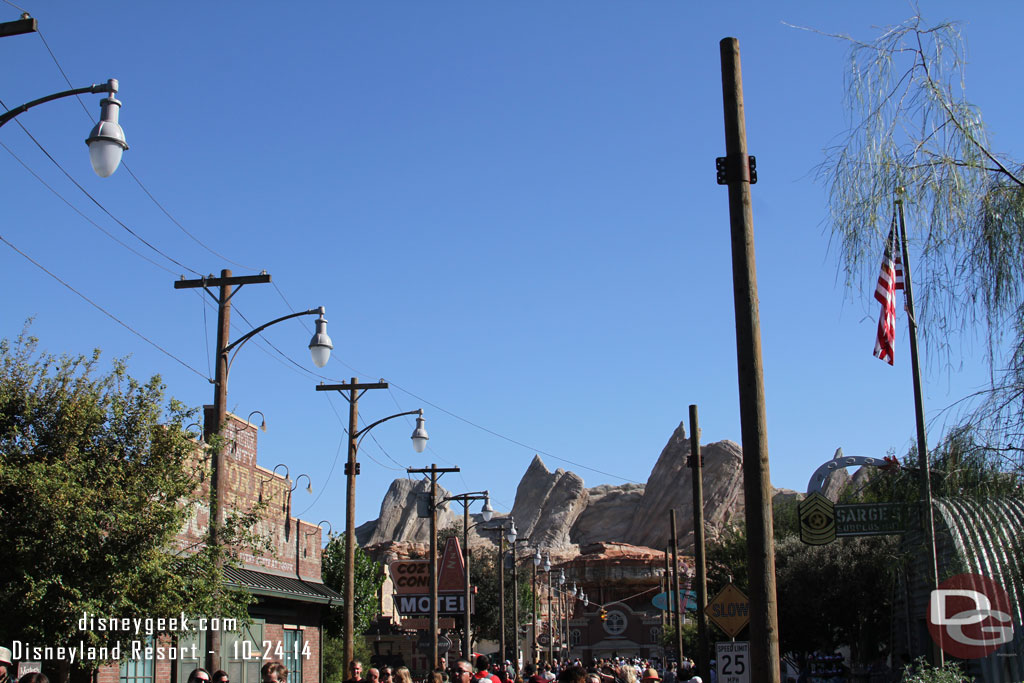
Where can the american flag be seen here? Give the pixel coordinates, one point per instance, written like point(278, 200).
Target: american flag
point(889, 280)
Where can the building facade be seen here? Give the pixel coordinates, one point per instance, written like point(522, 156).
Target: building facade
point(291, 600)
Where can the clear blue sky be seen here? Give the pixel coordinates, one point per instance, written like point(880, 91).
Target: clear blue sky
point(508, 209)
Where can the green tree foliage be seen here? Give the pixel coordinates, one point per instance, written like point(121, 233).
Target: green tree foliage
point(852, 579)
point(960, 466)
point(368, 580)
point(913, 128)
point(97, 477)
point(851, 603)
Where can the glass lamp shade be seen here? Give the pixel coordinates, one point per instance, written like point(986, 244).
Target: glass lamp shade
point(487, 511)
point(547, 563)
point(419, 435)
point(561, 577)
point(586, 601)
point(537, 558)
point(320, 345)
point(106, 141)
point(105, 156)
point(512, 534)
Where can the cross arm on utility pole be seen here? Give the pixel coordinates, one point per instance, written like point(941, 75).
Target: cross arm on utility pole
point(15, 28)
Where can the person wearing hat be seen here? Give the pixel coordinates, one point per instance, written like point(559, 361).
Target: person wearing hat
point(6, 665)
point(651, 674)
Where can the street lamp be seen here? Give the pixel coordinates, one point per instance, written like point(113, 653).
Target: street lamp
point(319, 346)
point(515, 589)
point(536, 614)
point(561, 611)
point(508, 531)
point(551, 623)
point(106, 141)
point(486, 512)
point(351, 393)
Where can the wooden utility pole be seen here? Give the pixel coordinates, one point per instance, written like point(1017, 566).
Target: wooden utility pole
point(670, 603)
point(679, 603)
point(696, 465)
point(213, 422)
point(434, 471)
point(738, 171)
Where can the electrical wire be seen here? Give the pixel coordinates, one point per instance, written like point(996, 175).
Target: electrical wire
point(511, 440)
point(104, 311)
point(80, 213)
point(96, 201)
point(127, 168)
point(263, 339)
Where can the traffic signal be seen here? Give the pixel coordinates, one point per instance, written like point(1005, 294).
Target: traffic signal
point(603, 614)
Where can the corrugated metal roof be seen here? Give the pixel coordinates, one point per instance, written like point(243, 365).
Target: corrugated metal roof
point(272, 585)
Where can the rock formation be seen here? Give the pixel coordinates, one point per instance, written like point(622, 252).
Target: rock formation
point(555, 511)
point(671, 486)
point(548, 504)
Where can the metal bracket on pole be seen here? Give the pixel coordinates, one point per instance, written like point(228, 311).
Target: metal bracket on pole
point(736, 168)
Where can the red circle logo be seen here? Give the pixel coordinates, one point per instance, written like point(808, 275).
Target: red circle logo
point(970, 616)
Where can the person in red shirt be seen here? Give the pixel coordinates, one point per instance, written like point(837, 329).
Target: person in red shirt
point(482, 669)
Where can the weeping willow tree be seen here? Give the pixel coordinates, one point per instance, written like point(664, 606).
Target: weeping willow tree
point(914, 134)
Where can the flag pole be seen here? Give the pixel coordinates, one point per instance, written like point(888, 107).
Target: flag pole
point(927, 513)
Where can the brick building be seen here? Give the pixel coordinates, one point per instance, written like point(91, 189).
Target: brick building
point(291, 599)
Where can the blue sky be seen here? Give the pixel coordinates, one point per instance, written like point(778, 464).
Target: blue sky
point(509, 211)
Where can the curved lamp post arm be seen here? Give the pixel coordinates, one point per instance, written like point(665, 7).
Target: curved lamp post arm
point(465, 498)
point(237, 344)
point(108, 87)
point(362, 432)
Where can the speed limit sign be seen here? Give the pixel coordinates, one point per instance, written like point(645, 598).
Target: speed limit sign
point(732, 660)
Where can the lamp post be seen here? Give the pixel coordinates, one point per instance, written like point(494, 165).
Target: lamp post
point(486, 512)
point(320, 347)
point(515, 592)
point(551, 627)
point(434, 471)
point(106, 141)
point(508, 530)
point(561, 611)
point(536, 614)
point(351, 393)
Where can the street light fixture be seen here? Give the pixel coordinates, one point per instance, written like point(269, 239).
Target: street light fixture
point(351, 393)
point(536, 614)
point(214, 423)
point(486, 513)
point(507, 532)
point(106, 141)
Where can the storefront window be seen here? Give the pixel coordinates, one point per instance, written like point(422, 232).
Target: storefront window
point(138, 670)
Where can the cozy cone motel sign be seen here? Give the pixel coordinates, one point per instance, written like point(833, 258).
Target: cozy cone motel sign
point(412, 583)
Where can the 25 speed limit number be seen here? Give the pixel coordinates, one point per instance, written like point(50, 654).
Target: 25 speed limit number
point(732, 662)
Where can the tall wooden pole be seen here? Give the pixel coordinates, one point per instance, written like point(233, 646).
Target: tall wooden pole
point(927, 513)
point(501, 595)
point(696, 467)
point(537, 616)
point(466, 643)
point(764, 632)
point(217, 473)
point(680, 604)
point(670, 603)
point(434, 471)
point(515, 610)
point(551, 622)
point(350, 525)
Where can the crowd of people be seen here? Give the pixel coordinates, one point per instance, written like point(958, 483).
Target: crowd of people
point(611, 670)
